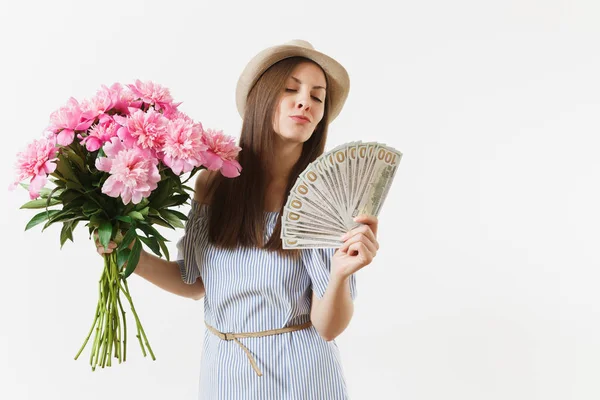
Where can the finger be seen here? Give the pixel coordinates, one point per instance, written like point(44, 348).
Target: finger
point(350, 241)
point(112, 245)
point(373, 246)
point(365, 230)
point(360, 250)
point(370, 220)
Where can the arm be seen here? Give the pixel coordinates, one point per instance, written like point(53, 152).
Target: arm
point(331, 314)
point(166, 275)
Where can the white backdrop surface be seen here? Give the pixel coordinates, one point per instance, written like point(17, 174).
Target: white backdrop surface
point(486, 283)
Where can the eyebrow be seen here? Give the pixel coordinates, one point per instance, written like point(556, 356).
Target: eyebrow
point(314, 87)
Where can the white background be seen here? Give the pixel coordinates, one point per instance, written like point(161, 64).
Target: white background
point(486, 285)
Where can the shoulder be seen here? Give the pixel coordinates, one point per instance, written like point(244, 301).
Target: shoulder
point(203, 187)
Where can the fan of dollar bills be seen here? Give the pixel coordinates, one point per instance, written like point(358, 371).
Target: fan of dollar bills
point(349, 180)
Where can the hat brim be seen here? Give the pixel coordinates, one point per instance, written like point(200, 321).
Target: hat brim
point(337, 76)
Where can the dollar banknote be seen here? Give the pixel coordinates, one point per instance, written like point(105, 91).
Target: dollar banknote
point(351, 179)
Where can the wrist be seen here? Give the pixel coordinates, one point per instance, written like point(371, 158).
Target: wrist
point(337, 273)
point(338, 277)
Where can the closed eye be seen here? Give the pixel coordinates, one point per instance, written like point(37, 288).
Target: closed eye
point(294, 90)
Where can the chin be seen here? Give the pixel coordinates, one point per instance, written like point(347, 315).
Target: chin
point(295, 135)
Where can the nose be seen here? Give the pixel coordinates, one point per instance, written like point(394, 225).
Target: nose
point(303, 101)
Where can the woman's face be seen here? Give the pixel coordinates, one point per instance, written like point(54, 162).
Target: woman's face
point(302, 103)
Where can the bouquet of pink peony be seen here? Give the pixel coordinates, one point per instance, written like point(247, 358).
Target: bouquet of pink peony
point(116, 161)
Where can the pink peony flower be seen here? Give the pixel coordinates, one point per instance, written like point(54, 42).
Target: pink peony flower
point(184, 146)
point(134, 171)
point(36, 162)
point(154, 94)
point(98, 105)
point(116, 98)
point(100, 134)
point(144, 129)
point(68, 119)
point(180, 115)
point(221, 153)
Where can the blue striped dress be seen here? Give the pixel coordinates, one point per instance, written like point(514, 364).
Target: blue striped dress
point(249, 290)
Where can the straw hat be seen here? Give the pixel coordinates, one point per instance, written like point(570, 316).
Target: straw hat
point(337, 77)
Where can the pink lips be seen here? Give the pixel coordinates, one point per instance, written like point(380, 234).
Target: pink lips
point(300, 119)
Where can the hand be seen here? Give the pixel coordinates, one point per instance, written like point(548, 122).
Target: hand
point(359, 248)
point(100, 249)
point(111, 245)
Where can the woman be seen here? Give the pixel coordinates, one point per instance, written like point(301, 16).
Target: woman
point(294, 303)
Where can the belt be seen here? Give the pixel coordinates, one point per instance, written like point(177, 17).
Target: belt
point(234, 336)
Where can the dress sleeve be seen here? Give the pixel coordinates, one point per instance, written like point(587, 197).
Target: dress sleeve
point(318, 264)
point(194, 237)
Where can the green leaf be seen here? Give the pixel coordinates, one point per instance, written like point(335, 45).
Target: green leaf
point(40, 203)
point(104, 233)
point(193, 172)
point(159, 221)
point(187, 188)
point(67, 232)
point(73, 185)
point(150, 231)
point(63, 167)
point(76, 206)
point(142, 204)
point(133, 259)
point(69, 154)
point(124, 219)
point(95, 221)
point(164, 249)
point(152, 244)
point(176, 200)
point(69, 195)
point(179, 215)
point(129, 236)
point(171, 218)
point(122, 256)
point(62, 216)
point(58, 192)
point(41, 217)
point(90, 208)
point(144, 211)
point(136, 215)
point(160, 195)
point(44, 192)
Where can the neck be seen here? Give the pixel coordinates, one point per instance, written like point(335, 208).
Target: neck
point(284, 158)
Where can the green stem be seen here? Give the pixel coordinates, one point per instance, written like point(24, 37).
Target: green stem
point(137, 320)
point(108, 336)
point(106, 302)
point(117, 322)
point(96, 346)
point(124, 330)
point(90, 332)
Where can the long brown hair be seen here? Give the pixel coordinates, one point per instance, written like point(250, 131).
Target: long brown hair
point(237, 210)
